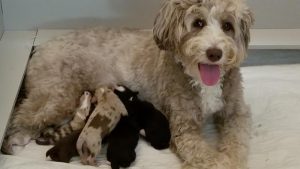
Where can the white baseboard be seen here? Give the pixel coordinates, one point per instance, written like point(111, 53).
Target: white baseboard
point(15, 47)
point(275, 39)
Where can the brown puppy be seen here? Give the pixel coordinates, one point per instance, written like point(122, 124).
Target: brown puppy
point(65, 148)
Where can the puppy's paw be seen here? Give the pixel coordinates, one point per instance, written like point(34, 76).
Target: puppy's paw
point(88, 160)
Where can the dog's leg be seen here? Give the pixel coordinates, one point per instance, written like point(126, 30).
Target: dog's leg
point(19, 127)
point(234, 135)
point(187, 140)
point(34, 114)
point(189, 144)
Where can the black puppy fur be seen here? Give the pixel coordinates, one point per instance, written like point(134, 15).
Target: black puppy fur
point(150, 119)
point(124, 138)
point(122, 142)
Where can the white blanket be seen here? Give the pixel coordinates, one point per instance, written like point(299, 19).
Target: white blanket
point(273, 93)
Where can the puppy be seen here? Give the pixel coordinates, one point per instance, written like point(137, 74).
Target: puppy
point(51, 135)
point(147, 117)
point(122, 142)
point(101, 122)
point(65, 148)
point(124, 138)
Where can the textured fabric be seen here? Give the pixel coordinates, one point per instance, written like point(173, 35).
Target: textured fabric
point(273, 94)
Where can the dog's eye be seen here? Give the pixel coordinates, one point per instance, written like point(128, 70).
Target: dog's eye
point(199, 23)
point(227, 27)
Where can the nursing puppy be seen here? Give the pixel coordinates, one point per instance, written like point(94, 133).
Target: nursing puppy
point(124, 138)
point(65, 148)
point(146, 117)
point(122, 142)
point(101, 122)
point(51, 134)
point(188, 67)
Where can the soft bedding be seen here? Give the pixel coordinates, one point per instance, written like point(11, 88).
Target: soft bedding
point(273, 93)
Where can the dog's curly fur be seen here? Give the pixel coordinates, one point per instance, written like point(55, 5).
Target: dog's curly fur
point(164, 70)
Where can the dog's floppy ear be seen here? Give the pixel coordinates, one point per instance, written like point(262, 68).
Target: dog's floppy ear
point(168, 25)
point(247, 21)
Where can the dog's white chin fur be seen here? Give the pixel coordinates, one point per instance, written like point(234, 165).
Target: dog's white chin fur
point(213, 101)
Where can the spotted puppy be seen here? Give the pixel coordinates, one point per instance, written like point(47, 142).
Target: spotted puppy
point(52, 135)
point(101, 122)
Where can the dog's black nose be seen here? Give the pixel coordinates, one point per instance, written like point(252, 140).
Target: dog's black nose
point(214, 54)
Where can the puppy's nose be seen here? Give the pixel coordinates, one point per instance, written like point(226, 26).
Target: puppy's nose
point(214, 54)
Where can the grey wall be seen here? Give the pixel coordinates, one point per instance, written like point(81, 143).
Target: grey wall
point(276, 13)
point(1, 21)
point(31, 14)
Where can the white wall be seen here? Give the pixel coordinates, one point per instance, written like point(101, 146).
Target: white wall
point(31, 14)
point(1, 21)
point(276, 13)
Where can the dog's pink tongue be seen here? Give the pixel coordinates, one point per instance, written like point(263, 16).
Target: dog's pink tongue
point(210, 74)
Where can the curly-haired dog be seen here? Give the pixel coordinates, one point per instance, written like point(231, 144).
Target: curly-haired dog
point(51, 135)
point(101, 122)
point(189, 71)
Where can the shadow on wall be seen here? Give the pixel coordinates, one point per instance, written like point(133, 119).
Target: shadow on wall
point(129, 13)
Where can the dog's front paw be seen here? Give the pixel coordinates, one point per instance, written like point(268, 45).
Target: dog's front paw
point(188, 166)
point(224, 162)
point(221, 162)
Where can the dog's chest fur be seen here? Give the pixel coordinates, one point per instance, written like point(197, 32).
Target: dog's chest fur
point(211, 99)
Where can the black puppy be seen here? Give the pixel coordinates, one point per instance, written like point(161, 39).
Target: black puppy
point(147, 117)
point(122, 142)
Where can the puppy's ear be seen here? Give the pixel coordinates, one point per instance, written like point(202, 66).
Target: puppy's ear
point(247, 21)
point(168, 25)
